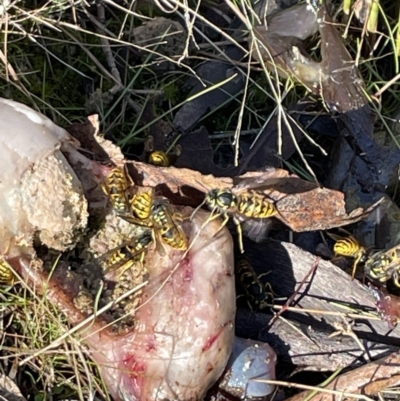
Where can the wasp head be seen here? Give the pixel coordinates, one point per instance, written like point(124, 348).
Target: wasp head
point(145, 239)
point(221, 198)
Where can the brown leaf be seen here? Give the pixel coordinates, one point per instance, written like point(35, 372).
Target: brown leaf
point(318, 209)
point(335, 78)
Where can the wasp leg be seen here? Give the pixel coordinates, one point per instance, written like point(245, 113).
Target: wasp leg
point(240, 234)
point(197, 209)
point(126, 266)
point(396, 279)
point(216, 216)
point(223, 224)
point(130, 263)
point(177, 217)
point(356, 262)
point(268, 297)
point(156, 238)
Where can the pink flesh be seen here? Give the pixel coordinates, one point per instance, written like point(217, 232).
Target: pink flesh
point(388, 306)
point(184, 328)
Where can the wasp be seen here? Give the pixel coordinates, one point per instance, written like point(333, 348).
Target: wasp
point(384, 265)
point(168, 230)
point(141, 204)
point(350, 247)
point(160, 159)
point(253, 204)
point(115, 187)
point(128, 255)
point(258, 295)
point(6, 273)
point(248, 206)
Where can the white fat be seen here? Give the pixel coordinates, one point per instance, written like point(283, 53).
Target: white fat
point(40, 191)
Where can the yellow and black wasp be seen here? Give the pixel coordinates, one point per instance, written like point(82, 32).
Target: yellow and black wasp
point(384, 265)
point(141, 205)
point(128, 255)
point(159, 157)
point(259, 296)
point(250, 206)
point(166, 228)
point(350, 247)
point(116, 185)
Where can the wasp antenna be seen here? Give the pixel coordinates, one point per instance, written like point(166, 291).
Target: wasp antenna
point(200, 186)
point(197, 209)
point(334, 236)
point(347, 232)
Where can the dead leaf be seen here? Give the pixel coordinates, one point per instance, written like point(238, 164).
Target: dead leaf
point(335, 78)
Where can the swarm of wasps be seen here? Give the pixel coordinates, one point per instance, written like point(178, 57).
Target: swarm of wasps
point(138, 205)
point(379, 266)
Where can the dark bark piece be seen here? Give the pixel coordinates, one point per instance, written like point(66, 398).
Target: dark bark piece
point(329, 286)
point(305, 344)
point(85, 134)
point(197, 154)
point(342, 88)
point(335, 78)
point(209, 74)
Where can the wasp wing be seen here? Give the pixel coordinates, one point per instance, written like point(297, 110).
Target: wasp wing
point(257, 229)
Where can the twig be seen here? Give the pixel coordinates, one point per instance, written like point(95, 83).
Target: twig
point(291, 299)
point(108, 53)
point(346, 329)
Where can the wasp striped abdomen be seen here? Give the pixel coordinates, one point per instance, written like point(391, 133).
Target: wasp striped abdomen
point(348, 247)
point(169, 231)
point(116, 187)
point(256, 206)
point(129, 254)
point(159, 158)
point(142, 203)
